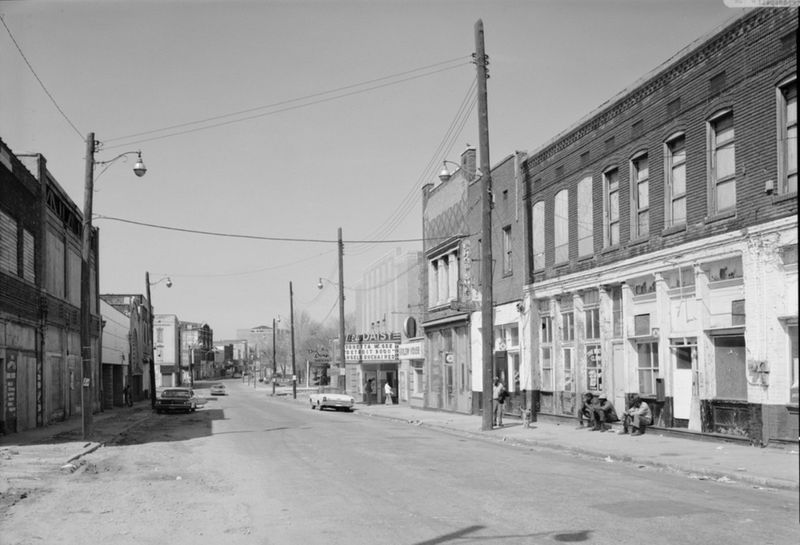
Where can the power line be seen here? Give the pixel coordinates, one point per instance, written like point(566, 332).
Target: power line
point(273, 112)
point(288, 101)
point(41, 83)
point(251, 237)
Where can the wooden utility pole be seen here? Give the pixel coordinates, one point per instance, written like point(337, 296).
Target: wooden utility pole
point(487, 295)
point(152, 352)
point(341, 310)
point(291, 318)
point(87, 356)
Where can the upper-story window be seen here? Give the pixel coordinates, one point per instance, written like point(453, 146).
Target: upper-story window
point(443, 278)
point(537, 240)
point(507, 268)
point(591, 314)
point(722, 162)
point(585, 226)
point(640, 195)
point(787, 136)
point(611, 207)
point(675, 186)
point(561, 222)
point(8, 244)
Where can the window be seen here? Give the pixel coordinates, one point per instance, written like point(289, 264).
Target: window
point(417, 383)
point(616, 311)
point(568, 325)
point(585, 234)
point(594, 368)
point(547, 330)
point(561, 220)
point(722, 163)
point(787, 137)
point(591, 314)
point(160, 335)
point(547, 369)
point(507, 250)
point(611, 206)
point(443, 278)
point(675, 170)
point(640, 195)
point(538, 235)
point(8, 244)
point(28, 256)
point(648, 367)
point(567, 365)
point(793, 388)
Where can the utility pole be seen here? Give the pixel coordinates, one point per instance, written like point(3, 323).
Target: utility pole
point(152, 343)
point(487, 295)
point(291, 318)
point(87, 385)
point(341, 309)
point(273, 357)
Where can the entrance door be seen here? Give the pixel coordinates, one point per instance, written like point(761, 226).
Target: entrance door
point(730, 363)
point(684, 356)
point(618, 374)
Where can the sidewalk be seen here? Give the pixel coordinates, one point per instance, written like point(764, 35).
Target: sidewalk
point(769, 467)
point(772, 467)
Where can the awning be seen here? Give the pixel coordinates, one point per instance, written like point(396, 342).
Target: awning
point(463, 317)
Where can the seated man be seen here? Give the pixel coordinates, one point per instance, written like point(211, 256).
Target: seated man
point(637, 417)
point(586, 410)
point(604, 413)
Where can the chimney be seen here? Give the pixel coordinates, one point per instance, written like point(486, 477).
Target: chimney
point(468, 163)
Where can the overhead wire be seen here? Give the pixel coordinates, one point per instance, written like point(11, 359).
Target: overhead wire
point(41, 83)
point(273, 112)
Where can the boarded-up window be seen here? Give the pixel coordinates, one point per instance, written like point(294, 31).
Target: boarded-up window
point(28, 256)
point(585, 219)
point(54, 275)
point(538, 235)
point(8, 244)
point(561, 221)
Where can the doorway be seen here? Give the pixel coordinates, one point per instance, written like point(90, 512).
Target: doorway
point(618, 375)
point(684, 368)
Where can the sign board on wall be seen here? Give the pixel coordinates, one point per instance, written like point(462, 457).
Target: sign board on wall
point(371, 347)
point(410, 351)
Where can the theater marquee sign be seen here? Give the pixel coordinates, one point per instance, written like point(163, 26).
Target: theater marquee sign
point(372, 347)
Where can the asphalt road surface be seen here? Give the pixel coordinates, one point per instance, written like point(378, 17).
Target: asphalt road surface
point(251, 469)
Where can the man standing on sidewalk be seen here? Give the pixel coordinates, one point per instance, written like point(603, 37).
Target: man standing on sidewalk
point(387, 391)
point(498, 398)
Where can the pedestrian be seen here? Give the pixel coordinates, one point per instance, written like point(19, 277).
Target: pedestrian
point(387, 391)
point(604, 413)
point(368, 392)
point(126, 395)
point(586, 410)
point(499, 394)
point(637, 417)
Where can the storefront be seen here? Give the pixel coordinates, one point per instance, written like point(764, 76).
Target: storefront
point(412, 373)
point(371, 361)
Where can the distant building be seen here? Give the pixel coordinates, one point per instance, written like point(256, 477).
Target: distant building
point(388, 299)
point(126, 349)
point(167, 351)
point(197, 351)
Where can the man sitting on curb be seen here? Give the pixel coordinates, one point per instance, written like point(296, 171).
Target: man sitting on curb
point(586, 410)
point(604, 413)
point(638, 417)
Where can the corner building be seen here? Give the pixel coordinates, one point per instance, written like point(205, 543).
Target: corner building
point(663, 241)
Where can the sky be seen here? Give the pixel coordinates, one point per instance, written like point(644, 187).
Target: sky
point(272, 124)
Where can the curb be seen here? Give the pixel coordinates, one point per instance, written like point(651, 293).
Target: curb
point(95, 445)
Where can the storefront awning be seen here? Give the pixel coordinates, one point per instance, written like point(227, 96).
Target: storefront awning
point(463, 317)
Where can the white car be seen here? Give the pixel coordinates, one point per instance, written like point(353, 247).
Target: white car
point(332, 400)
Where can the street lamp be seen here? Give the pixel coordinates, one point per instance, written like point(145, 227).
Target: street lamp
point(320, 285)
point(445, 174)
point(147, 283)
point(87, 367)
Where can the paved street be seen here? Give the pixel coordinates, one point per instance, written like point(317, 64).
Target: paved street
point(251, 468)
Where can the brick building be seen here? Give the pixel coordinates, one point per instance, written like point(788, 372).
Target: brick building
point(40, 272)
point(663, 246)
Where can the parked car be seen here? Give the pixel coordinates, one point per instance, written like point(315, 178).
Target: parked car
point(218, 390)
point(176, 399)
point(333, 400)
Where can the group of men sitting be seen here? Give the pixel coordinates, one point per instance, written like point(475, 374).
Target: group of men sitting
point(599, 413)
